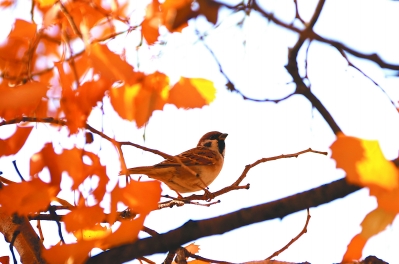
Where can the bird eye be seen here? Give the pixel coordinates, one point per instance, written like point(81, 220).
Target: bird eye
point(208, 144)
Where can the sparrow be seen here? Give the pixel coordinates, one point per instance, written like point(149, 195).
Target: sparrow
point(206, 160)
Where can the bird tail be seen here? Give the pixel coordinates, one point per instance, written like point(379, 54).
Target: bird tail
point(137, 170)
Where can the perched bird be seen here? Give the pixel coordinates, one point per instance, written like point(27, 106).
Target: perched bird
point(206, 160)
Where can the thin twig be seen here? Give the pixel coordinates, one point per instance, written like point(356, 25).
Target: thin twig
point(14, 162)
point(364, 74)
point(70, 20)
point(53, 213)
point(303, 231)
point(236, 186)
point(191, 255)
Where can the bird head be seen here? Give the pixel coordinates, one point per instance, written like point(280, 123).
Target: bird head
point(214, 140)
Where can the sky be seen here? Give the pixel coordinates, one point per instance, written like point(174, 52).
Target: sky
point(254, 57)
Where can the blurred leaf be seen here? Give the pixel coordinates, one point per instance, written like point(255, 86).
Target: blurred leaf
point(83, 217)
point(192, 93)
point(14, 143)
point(27, 197)
point(69, 253)
point(20, 100)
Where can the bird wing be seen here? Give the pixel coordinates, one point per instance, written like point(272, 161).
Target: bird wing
point(196, 156)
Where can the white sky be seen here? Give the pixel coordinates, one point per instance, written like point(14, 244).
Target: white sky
point(258, 130)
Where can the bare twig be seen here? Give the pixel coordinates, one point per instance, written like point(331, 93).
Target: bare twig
point(14, 162)
point(303, 231)
point(236, 186)
point(189, 254)
point(364, 74)
point(53, 213)
point(70, 20)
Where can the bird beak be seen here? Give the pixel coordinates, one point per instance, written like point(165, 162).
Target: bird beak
point(223, 136)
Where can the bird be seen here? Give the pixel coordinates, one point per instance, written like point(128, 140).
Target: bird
point(206, 160)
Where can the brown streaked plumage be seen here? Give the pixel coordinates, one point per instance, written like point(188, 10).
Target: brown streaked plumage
point(206, 160)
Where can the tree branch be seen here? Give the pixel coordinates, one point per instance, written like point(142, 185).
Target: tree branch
point(193, 230)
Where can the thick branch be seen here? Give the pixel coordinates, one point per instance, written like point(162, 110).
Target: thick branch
point(218, 225)
point(26, 242)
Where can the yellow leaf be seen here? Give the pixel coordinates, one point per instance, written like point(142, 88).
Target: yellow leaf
point(96, 232)
point(46, 3)
point(192, 93)
point(364, 162)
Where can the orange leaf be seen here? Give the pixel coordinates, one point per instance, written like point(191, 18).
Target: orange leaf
point(193, 248)
point(23, 29)
point(83, 217)
point(364, 162)
point(57, 163)
point(126, 233)
point(19, 100)
point(150, 30)
point(355, 248)
point(137, 102)
point(69, 253)
point(77, 104)
point(151, 96)
point(109, 64)
point(192, 93)
point(5, 4)
point(374, 222)
point(14, 143)
point(122, 100)
point(27, 197)
point(141, 197)
point(176, 14)
point(98, 170)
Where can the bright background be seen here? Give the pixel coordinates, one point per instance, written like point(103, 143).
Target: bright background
point(253, 57)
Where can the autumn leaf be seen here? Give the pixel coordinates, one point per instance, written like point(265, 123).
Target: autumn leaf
point(14, 143)
point(109, 64)
point(122, 100)
point(140, 197)
point(96, 232)
point(77, 104)
point(192, 93)
point(46, 3)
point(176, 14)
point(23, 29)
point(20, 100)
point(150, 30)
point(69, 253)
point(32, 196)
point(94, 169)
point(192, 248)
point(137, 102)
point(150, 97)
point(83, 217)
point(126, 233)
point(375, 222)
point(365, 165)
point(5, 4)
